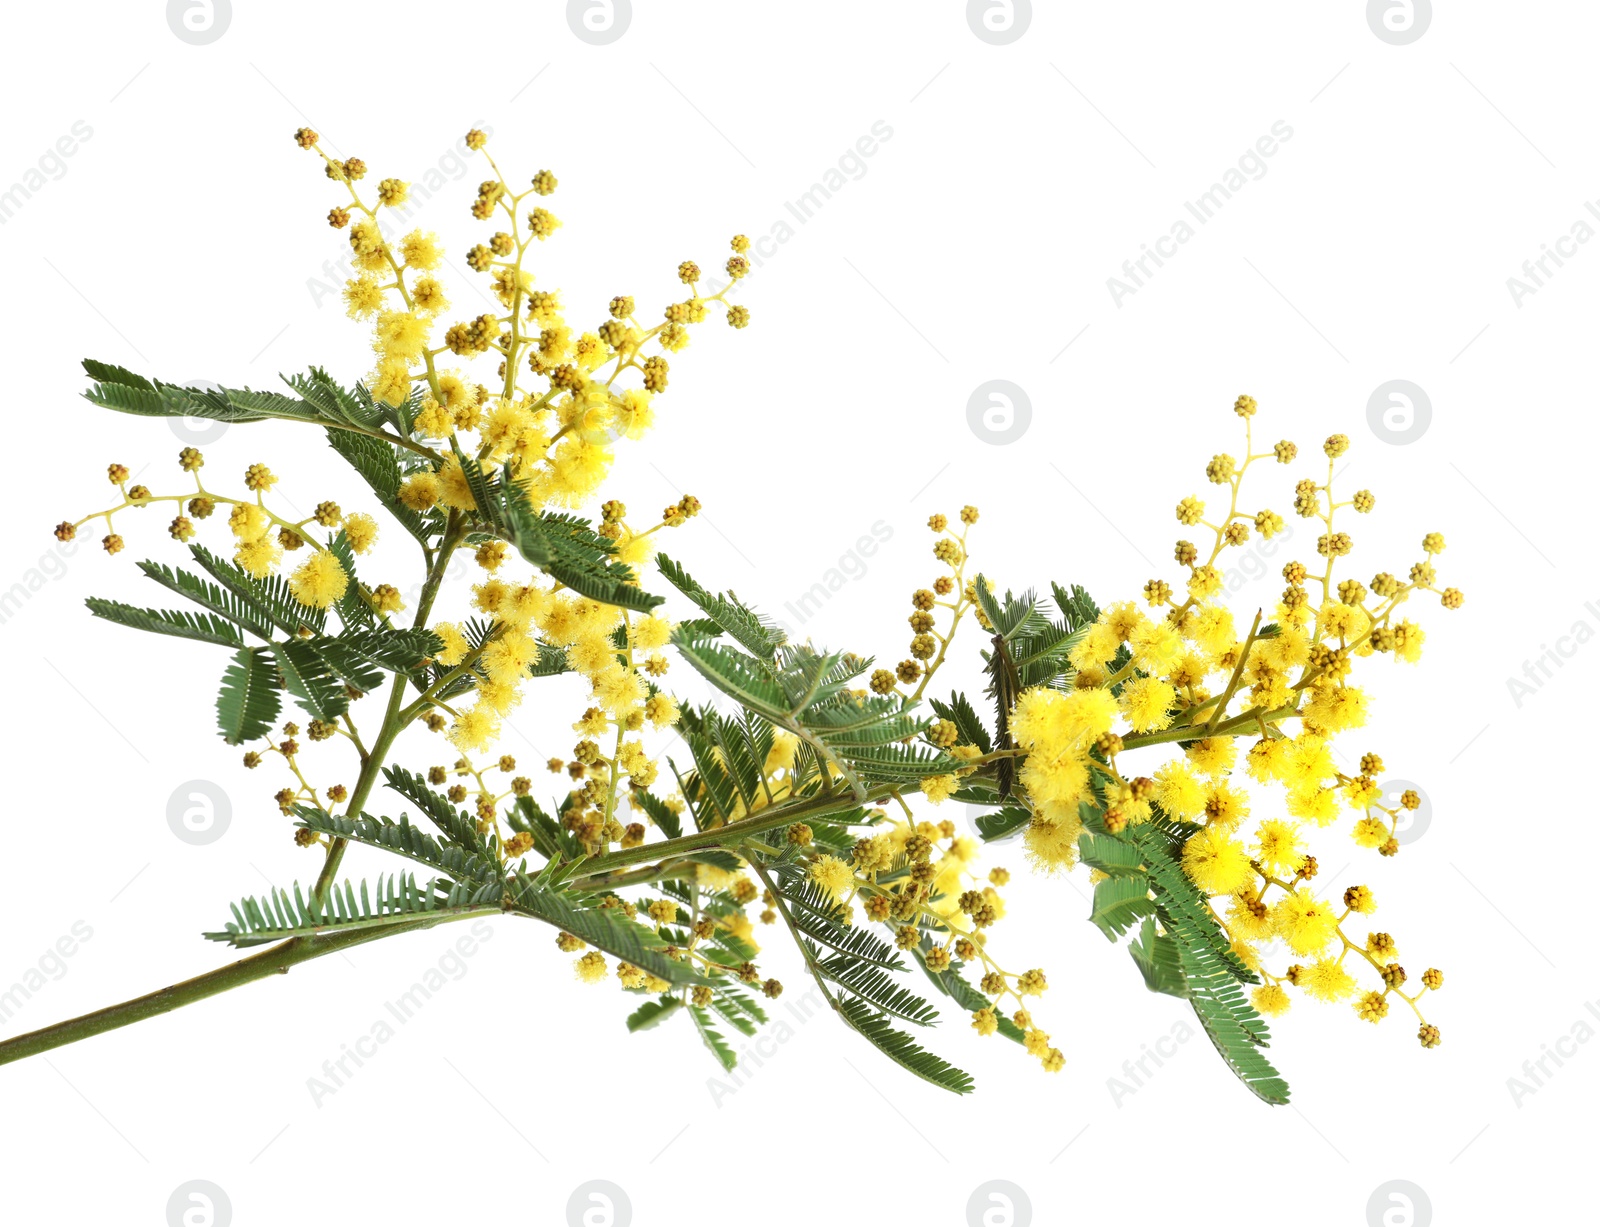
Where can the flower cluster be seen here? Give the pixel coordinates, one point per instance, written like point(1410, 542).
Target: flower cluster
point(558, 403)
point(559, 398)
point(261, 537)
point(1187, 758)
point(1267, 705)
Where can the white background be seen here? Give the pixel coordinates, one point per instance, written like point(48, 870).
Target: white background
point(185, 239)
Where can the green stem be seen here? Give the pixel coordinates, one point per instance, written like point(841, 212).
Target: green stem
point(730, 835)
point(593, 883)
point(371, 768)
point(395, 716)
point(1238, 672)
point(1188, 732)
point(274, 961)
point(285, 955)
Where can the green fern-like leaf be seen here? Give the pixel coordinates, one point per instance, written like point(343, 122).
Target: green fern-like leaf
point(604, 928)
point(742, 746)
point(1181, 907)
point(120, 389)
point(334, 403)
point(453, 824)
point(733, 1017)
point(725, 611)
point(959, 711)
point(378, 463)
point(269, 599)
point(809, 693)
point(551, 662)
point(1159, 960)
point(312, 680)
point(356, 655)
point(1076, 606)
point(734, 673)
point(249, 702)
point(653, 1013)
point(743, 1003)
point(202, 592)
point(1213, 974)
point(320, 400)
point(1111, 855)
point(1235, 1028)
point(901, 1048)
point(670, 824)
point(1003, 822)
point(1120, 903)
point(116, 376)
point(551, 839)
point(475, 868)
point(712, 1038)
point(1041, 657)
point(397, 902)
point(562, 545)
point(821, 919)
point(1013, 617)
point(203, 628)
point(874, 985)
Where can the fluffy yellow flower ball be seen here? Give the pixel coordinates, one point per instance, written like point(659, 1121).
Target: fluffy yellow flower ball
point(1216, 863)
point(319, 581)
